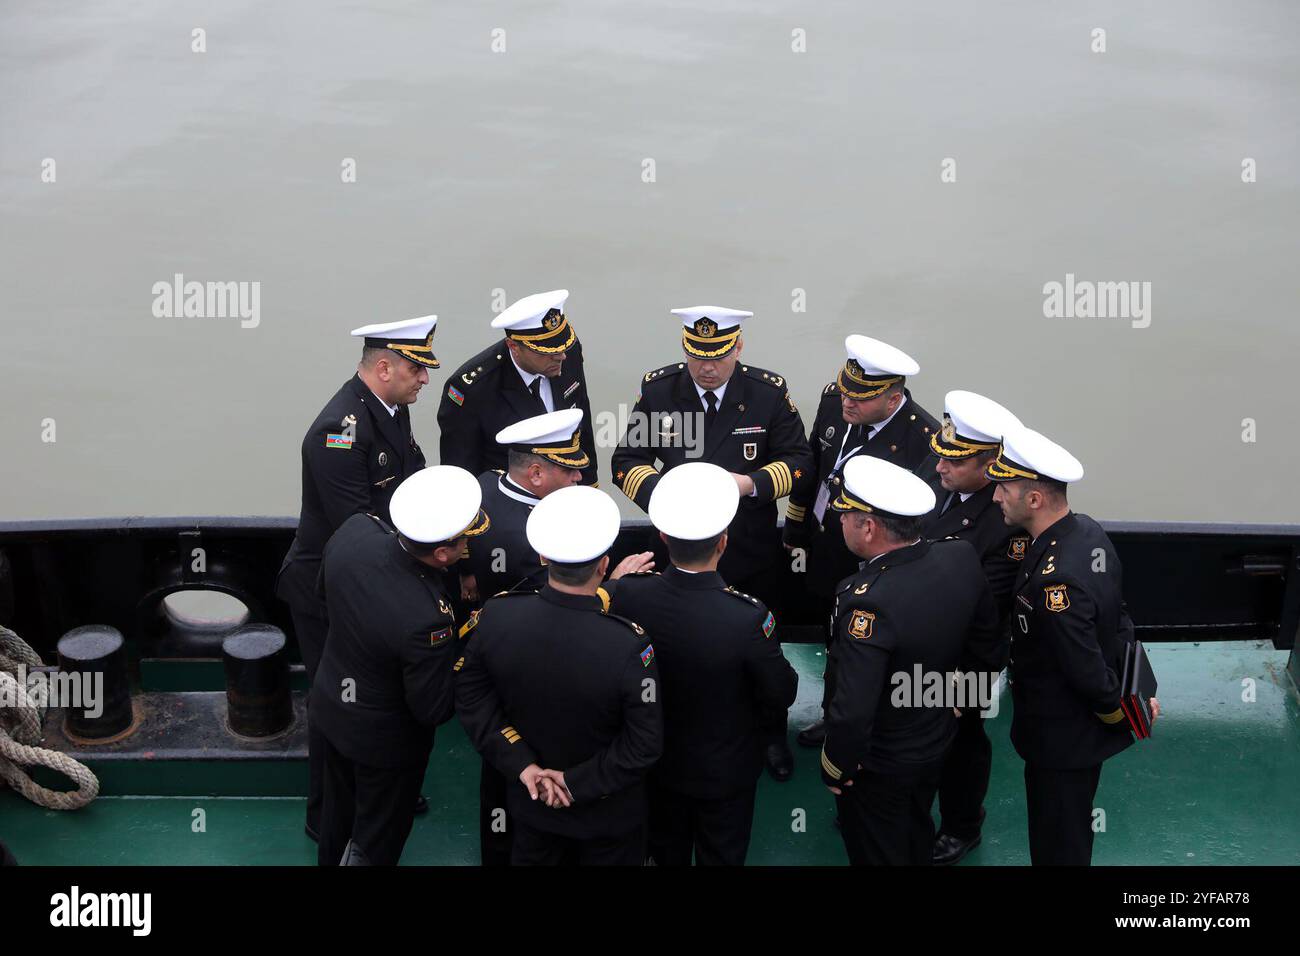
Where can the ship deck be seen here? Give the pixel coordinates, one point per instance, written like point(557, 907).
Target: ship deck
point(1216, 785)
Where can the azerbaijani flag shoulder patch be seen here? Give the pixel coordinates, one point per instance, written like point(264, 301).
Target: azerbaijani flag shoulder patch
point(769, 625)
point(338, 441)
point(648, 655)
point(456, 395)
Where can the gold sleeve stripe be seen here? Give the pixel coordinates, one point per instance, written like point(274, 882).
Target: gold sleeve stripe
point(459, 664)
point(795, 512)
point(832, 771)
point(1114, 717)
point(511, 735)
point(782, 480)
point(636, 478)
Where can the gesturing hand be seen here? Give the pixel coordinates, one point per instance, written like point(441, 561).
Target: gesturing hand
point(634, 563)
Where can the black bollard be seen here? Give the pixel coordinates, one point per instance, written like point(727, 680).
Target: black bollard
point(95, 658)
point(257, 681)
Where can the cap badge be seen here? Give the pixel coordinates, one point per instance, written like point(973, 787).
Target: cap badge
point(860, 625)
point(552, 320)
point(706, 328)
point(949, 433)
point(854, 367)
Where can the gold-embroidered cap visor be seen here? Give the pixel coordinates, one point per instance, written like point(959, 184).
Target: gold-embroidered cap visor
point(555, 335)
point(1004, 468)
point(947, 443)
point(710, 346)
point(854, 383)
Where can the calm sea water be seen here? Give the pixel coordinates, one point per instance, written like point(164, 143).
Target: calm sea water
point(523, 170)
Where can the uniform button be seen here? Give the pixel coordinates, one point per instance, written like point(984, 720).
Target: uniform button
point(965, 521)
point(893, 448)
point(913, 418)
point(740, 408)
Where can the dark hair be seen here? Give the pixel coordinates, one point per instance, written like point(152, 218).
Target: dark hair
point(897, 386)
point(573, 575)
point(681, 551)
point(421, 549)
point(519, 460)
point(1052, 490)
point(900, 529)
point(370, 354)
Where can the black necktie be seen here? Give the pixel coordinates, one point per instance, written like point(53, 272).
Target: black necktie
point(536, 389)
point(952, 500)
point(711, 401)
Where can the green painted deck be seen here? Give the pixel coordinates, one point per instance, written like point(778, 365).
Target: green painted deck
point(1218, 784)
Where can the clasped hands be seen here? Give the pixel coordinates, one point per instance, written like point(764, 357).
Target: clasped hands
point(546, 785)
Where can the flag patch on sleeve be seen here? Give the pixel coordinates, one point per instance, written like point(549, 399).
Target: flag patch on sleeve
point(456, 395)
point(648, 655)
point(769, 625)
point(338, 441)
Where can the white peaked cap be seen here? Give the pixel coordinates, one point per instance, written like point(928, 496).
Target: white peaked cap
point(693, 501)
point(438, 503)
point(573, 525)
point(529, 311)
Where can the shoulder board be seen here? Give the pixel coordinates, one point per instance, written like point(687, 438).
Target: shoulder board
point(470, 624)
point(636, 628)
point(748, 598)
point(763, 375)
point(499, 471)
point(832, 387)
point(380, 521)
point(479, 365)
point(664, 372)
point(921, 423)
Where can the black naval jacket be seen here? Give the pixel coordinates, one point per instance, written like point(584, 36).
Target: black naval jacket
point(1068, 632)
point(393, 634)
point(905, 442)
point(549, 678)
point(757, 433)
point(486, 394)
point(926, 606)
point(718, 663)
point(978, 520)
point(342, 477)
point(501, 558)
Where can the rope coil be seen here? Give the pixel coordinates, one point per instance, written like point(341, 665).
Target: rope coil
point(20, 732)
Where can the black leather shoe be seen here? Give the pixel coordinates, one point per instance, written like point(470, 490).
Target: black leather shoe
point(949, 849)
point(311, 834)
point(812, 735)
point(780, 762)
point(421, 805)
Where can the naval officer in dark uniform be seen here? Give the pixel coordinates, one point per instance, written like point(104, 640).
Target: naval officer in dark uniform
point(544, 454)
point(740, 417)
point(562, 696)
point(386, 678)
point(917, 613)
point(867, 410)
point(965, 445)
point(355, 454)
point(1068, 631)
point(536, 368)
point(719, 665)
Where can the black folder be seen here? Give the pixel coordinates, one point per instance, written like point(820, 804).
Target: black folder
point(1137, 687)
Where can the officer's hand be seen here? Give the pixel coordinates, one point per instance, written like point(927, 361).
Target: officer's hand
point(634, 563)
point(557, 789)
point(1155, 709)
point(744, 483)
point(530, 776)
point(468, 588)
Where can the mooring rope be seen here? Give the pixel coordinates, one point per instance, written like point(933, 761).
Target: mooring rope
point(20, 731)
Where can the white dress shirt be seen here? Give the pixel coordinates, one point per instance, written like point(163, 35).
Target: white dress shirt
point(545, 390)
